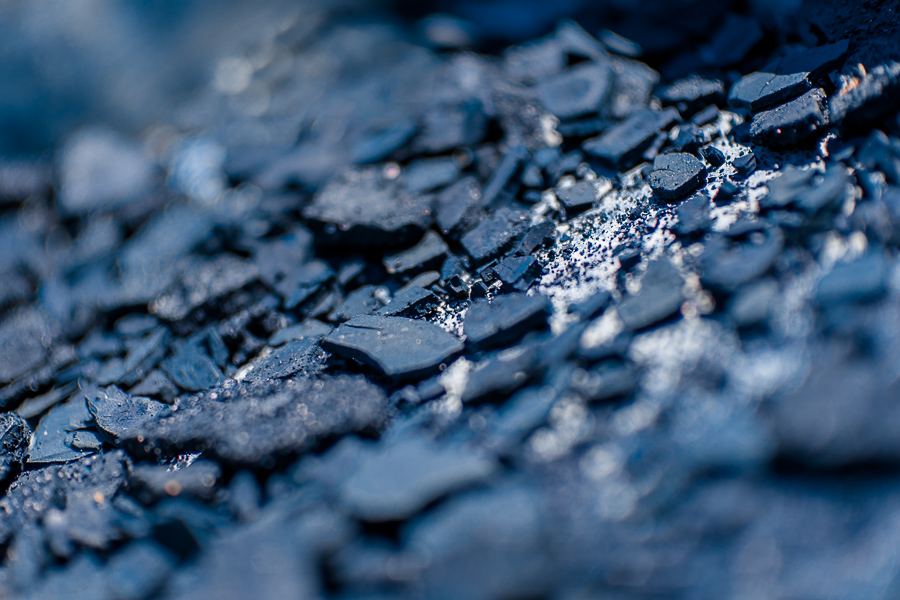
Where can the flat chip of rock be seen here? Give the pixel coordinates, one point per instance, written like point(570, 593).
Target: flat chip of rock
point(762, 90)
point(394, 480)
point(582, 195)
point(297, 356)
point(118, 414)
point(660, 297)
point(676, 175)
point(365, 208)
point(791, 123)
point(15, 435)
point(395, 346)
point(577, 91)
point(494, 234)
point(429, 253)
point(52, 441)
point(505, 319)
point(622, 145)
point(245, 423)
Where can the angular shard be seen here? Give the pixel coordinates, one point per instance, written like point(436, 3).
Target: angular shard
point(505, 319)
point(791, 123)
point(397, 347)
point(622, 145)
point(676, 175)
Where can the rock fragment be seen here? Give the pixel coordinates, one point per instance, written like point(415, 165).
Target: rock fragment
point(504, 320)
point(394, 480)
point(15, 435)
point(622, 145)
point(428, 254)
point(576, 91)
point(660, 297)
point(364, 208)
point(791, 123)
point(676, 175)
point(396, 346)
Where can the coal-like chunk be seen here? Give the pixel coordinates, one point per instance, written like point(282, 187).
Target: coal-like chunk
point(298, 356)
point(366, 208)
point(660, 297)
point(457, 207)
point(807, 190)
point(762, 90)
point(628, 256)
point(245, 423)
point(141, 358)
point(791, 123)
point(428, 254)
point(676, 175)
point(693, 215)
point(617, 44)
point(707, 115)
point(202, 283)
point(582, 195)
point(501, 373)
point(576, 91)
point(394, 480)
point(621, 146)
point(411, 301)
point(37, 405)
point(191, 369)
point(744, 164)
point(118, 414)
point(692, 93)
point(687, 137)
point(861, 280)
point(633, 83)
point(302, 282)
point(540, 235)
point(814, 61)
point(15, 435)
point(713, 156)
point(427, 174)
point(85, 440)
point(505, 319)
point(863, 99)
point(361, 301)
point(395, 346)
point(494, 234)
point(517, 273)
point(726, 191)
point(153, 482)
point(727, 267)
point(25, 336)
point(502, 175)
point(309, 329)
point(52, 440)
point(785, 78)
